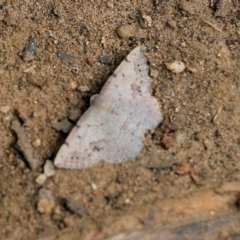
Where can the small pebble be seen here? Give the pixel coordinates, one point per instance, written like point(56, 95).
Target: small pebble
point(49, 168)
point(94, 186)
point(76, 207)
point(148, 20)
point(41, 179)
point(176, 67)
point(105, 59)
point(29, 52)
point(154, 73)
point(83, 88)
point(35, 114)
point(4, 109)
point(73, 85)
point(90, 61)
point(126, 31)
point(46, 202)
point(75, 70)
point(37, 142)
point(183, 168)
point(64, 126)
point(65, 57)
point(74, 114)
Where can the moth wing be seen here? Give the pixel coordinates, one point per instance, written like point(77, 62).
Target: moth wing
point(130, 79)
point(112, 129)
point(135, 119)
point(85, 145)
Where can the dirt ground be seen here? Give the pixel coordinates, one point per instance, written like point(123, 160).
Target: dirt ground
point(171, 190)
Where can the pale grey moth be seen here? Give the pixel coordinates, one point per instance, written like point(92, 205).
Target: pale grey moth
point(113, 128)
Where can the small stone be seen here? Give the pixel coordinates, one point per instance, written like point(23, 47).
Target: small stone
point(35, 114)
point(105, 59)
point(49, 168)
point(37, 142)
point(29, 52)
point(154, 73)
point(126, 31)
point(83, 88)
point(41, 179)
point(103, 40)
point(76, 207)
point(90, 61)
point(94, 186)
point(65, 57)
point(64, 126)
point(148, 20)
point(73, 85)
point(176, 67)
point(74, 114)
point(46, 202)
point(75, 70)
point(4, 109)
point(183, 168)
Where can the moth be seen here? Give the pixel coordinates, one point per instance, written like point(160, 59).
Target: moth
point(113, 127)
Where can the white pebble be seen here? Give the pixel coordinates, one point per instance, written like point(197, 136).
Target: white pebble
point(73, 85)
point(48, 168)
point(41, 179)
point(94, 186)
point(176, 67)
point(37, 142)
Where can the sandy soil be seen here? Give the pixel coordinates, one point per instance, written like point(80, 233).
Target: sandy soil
point(78, 46)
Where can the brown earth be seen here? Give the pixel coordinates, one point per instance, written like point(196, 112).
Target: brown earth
point(172, 183)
